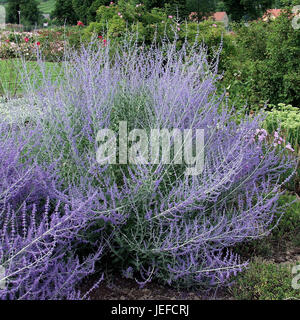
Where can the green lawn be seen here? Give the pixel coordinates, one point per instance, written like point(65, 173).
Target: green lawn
point(11, 80)
point(16, 109)
point(46, 6)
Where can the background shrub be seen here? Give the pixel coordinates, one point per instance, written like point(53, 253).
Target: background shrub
point(266, 66)
point(287, 118)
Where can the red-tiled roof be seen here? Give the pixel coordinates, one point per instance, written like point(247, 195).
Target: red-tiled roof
point(219, 16)
point(273, 12)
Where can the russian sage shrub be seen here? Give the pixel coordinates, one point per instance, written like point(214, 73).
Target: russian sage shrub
point(40, 225)
point(166, 225)
point(37, 255)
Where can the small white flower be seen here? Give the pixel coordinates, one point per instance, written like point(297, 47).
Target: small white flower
point(220, 126)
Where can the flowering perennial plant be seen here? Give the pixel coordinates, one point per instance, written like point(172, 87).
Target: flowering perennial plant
point(39, 228)
point(157, 222)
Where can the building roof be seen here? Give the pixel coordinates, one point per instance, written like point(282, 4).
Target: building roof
point(219, 16)
point(272, 12)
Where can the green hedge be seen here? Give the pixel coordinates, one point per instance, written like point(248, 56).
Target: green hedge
point(266, 68)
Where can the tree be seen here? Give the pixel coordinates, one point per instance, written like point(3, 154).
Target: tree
point(220, 6)
point(150, 4)
point(285, 3)
point(177, 7)
point(81, 8)
point(171, 6)
point(247, 9)
point(71, 11)
point(12, 11)
point(29, 12)
point(92, 11)
point(201, 7)
point(64, 12)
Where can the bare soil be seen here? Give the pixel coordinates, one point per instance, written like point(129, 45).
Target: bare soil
point(119, 288)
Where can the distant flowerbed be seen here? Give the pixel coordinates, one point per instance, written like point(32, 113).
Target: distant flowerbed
point(51, 43)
